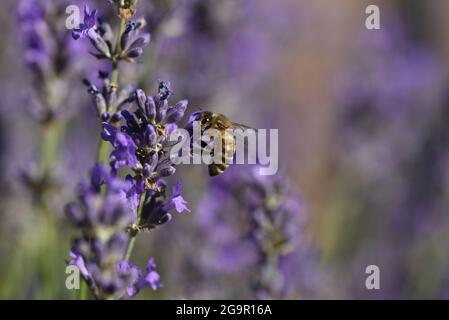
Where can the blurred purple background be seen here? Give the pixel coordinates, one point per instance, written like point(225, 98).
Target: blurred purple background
point(362, 118)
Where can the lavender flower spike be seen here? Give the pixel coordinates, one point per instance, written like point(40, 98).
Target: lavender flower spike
point(103, 216)
point(140, 145)
point(144, 134)
point(110, 211)
point(256, 227)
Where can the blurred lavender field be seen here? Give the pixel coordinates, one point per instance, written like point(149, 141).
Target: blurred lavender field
point(362, 118)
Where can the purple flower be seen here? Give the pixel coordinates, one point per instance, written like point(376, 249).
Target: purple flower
point(124, 153)
point(125, 267)
point(111, 211)
point(177, 112)
point(176, 200)
point(97, 212)
point(132, 40)
point(100, 36)
point(139, 143)
point(99, 176)
point(49, 56)
point(108, 103)
point(99, 43)
point(134, 187)
point(90, 18)
point(78, 261)
point(105, 209)
point(102, 267)
point(152, 278)
point(156, 206)
point(33, 26)
point(148, 279)
point(30, 12)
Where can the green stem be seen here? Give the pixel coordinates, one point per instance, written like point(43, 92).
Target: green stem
point(102, 151)
point(133, 234)
point(82, 292)
point(49, 254)
point(272, 273)
point(130, 246)
point(114, 76)
point(48, 248)
point(115, 60)
point(102, 145)
point(114, 81)
point(49, 147)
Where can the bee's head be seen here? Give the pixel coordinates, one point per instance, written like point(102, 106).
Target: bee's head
point(206, 117)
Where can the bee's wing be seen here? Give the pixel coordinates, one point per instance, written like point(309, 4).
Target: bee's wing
point(242, 126)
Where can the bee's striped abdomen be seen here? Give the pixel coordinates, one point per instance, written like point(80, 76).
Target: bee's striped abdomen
point(217, 169)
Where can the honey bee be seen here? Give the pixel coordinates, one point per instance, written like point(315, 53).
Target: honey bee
point(221, 123)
